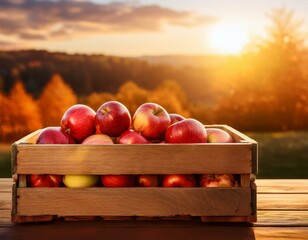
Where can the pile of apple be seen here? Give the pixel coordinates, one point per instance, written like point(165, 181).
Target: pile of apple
point(113, 124)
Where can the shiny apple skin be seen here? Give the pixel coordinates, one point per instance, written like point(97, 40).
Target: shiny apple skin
point(174, 117)
point(114, 181)
point(179, 180)
point(217, 135)
point(148, 180)
point(186, 131)
point(80, 180)
point(45, 180)
point(112, 118)
point(98, 139)
point(151, 120)
point(217, 180)
point(132, 137)
point(79, 122)
point(54, 135)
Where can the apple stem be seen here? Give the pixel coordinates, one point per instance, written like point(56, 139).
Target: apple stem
point(104, 111)
point(157, 111)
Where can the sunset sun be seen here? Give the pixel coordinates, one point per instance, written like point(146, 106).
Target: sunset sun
point(227, 39)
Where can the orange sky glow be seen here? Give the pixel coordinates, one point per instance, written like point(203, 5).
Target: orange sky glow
point(136, 28)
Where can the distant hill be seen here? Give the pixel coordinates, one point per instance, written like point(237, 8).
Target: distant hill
point(186, 60)
point(101, 73)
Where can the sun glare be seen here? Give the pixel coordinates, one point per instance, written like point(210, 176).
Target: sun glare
point(227, 39)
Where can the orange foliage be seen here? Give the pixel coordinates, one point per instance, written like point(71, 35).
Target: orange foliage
point(171, 96)
point(95, 100)
point(21, 113)
point(56, 97)
point(132, 96)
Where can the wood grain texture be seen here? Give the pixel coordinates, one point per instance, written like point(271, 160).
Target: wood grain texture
point(214, 158)
point(281, 223)
point(281, 233)
point(135, 159)
point(282, 218)
point(134, 201)
point(282, 185)
point(281, 201)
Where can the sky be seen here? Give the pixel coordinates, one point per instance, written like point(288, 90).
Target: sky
point(138, 28)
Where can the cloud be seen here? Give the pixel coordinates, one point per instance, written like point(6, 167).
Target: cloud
point(44, 19)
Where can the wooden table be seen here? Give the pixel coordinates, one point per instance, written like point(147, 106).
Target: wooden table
point(282, 214)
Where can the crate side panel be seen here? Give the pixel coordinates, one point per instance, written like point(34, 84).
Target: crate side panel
point(135, 159)
point(134, 201)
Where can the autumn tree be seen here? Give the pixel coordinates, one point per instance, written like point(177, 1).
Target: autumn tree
point(171, 96)
point(5, 127)
point(95, 100)
point(285, 58)
point(132, 96)
point(22, 113)
point(55, 99)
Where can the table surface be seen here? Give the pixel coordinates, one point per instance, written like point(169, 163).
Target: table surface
point(282, 214)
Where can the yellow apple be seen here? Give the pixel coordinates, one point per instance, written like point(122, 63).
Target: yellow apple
point(80, 181)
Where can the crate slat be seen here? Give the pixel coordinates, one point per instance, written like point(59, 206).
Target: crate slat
point(134, 201)
point(135, 159)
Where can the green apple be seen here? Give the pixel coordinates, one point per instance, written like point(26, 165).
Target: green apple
point(80, 181)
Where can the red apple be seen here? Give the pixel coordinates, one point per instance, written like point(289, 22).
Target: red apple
point(217, 135)
point(50, 135)
point(148, 180)
point(45, 180)
point(186, 131)
point(175, 117)
point(112, 118)
point(54, 135)
point(217, 180)
point(179, 180)
point(151, 120)
point(98, 139)
point(118, 180)
point(131, 137)
point(79, 121)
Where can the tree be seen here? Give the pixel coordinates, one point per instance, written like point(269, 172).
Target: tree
point(95, 100)
point(170, 95)
point(288, 68)
point(22, 113)
point(269, 90)
point(132, 96)
point(5, 127)
point(55, 99)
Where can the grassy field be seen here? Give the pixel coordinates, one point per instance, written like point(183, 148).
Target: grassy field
point(281, 155)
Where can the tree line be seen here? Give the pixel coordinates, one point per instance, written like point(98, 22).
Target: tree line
point(264, 89)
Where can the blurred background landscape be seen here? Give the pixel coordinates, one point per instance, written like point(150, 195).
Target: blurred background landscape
point(238, 63)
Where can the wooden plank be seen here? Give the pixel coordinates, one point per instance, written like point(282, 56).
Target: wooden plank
point(5, 185)
point(135, 159)
point(279, 201)
point(6, 200)
point(241, 137)
point(5, 215)
point(29, 139)
point(282, 185)
point(281, 218)
point(134, 201)
point(281, 233)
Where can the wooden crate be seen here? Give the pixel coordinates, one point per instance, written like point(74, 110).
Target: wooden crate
point(236, 204)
